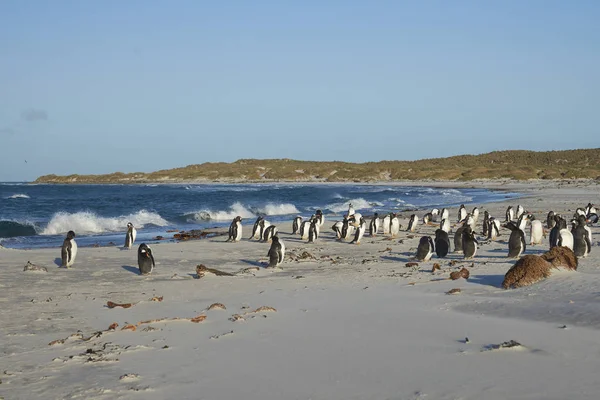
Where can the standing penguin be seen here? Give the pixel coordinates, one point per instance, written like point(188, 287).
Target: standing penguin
point(536, 231)
point(581, 241)
point(276, 252)
point(442, 243)
point(68, 251)
point(394, 225)
point(582, 221)
point(386, 223)
point(520, 211)
point(374, 225)
point(296, 224)
point(256, 234)
point(130, 236)
point(475, 214)
point(550, 221)
point(522, 221)
point(445, 225)
point(269, 233)
point(347, 229)
point(425, 249)
point(337, 228)
point(235, 230)
point(458, 239)
point(351, 210)
point(360, 231)
point(305, 228)
point(510, 214)
point(559, 223)
point(412, 223)
point(565, 237)
point(435, 212)
point(469, 243)
point(469, 220)
point(462, 213)
point(516, 241)
point(145, 259)
point(262, 227)
point(313, 230)
point(486, 223)
point(320, 218)
point(493, 229)
point(427, 218)
point(445, 214)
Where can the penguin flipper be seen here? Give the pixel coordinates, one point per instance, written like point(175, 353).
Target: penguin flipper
point(273, 258)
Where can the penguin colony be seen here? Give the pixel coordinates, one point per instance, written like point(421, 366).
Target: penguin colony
point(577, 238)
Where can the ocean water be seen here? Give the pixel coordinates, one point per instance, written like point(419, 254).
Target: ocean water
point(35, 216)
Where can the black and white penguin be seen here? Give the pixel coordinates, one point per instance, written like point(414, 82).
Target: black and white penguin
point(394, 225)
point(425, 249)
point(592, 218)
point(386, 223)
point(305, 228)
point(583, 222)
point(68, 251)
point(360, 231)
point(145, 259)
point(581, 241)
point(559, 223)
point(462, 213)
point(235, 230)
point(374, 225)
point(313, 230)
point(445, 214)
point(550, 221)
point(276, 252)
point(337, 228)
point(522, 221)
point(590, 209)
point(486, 223)
point(458, 239)
point(516, 241)
point(347, 229)
point(320, 218)
point(475, 214)
point(130, 236)
point(296, 225)
point(412, 223)
point(536, 230)
point(256, 233)
point(510, 214)
point(565, 237)
point(269, 232)
point(469, 220)
point(580, 211)
point(351, 210)
point(427, 218)
point(445, 225)
point(493, 228)
point(435, 212)
point(520, 211)
point(442, 243)
point(469, 243)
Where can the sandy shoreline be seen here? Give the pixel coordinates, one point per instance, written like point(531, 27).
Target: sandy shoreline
point(351, 323)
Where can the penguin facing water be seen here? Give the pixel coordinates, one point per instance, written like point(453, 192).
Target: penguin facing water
point(493, 228)
point(475, 214)
point(425, 249)
point(296, 225)
point(374, 225)
point(536, 230)
point(469, 243)
point(565, 237)
point(442, 243)
point(445, 225)
point(412, 223)
point(386, 223)
point(445, 214)
point(235, 230)
point(269, 232)
point(313, 230)
point(145, 259)
point(462, 213)
point(581, 241)
point(522, 221)
point(68, 251)
point(320, 218)
point(516, 241)
point(458, 239)
point(510, 214)
point(276, 252)
point(360, 231)
point(130, 236)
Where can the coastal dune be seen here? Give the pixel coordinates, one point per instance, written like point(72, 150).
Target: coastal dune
point(336, 321)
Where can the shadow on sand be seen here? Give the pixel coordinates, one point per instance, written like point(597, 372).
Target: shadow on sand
point(487, 280)
point(133, 270)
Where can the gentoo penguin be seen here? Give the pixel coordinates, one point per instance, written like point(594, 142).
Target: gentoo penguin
point(520, 211)
point(510, 214)
point(256, 234)
point(445, 225)
point(458, 240)
point(276, 252)
point(304, 228)
point(469, 220)
point(475, 214)
point(536, 230)
point(425, 249)
point(580, 211)
point(469, 243)
point(351, 210)
point(412, 223)
point(442, 243)
point(360, 231)
point(374, 225)
point(516, 241)
point(235, 230)
point(559, 223)
point(354, 220)
point(462, 213)
point(394, 225)
point(320, 217)
point(386, 223)
point(337, 228)
point(582, 221)
point(445, 214)
point(130, 236)
point(435, 212)
point(522, 221)
point(68, 251)
point(347, 229)
point(493, 228)
point(269, 232)
point(581, 241)
point(313, 230)
point(565, 237)
point(296, 225)
point(145, 259)
point(427, 218)
point(550, 221)
point(486, 223)
point(590, 209)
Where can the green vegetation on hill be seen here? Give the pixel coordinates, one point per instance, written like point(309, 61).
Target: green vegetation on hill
point(513, 164)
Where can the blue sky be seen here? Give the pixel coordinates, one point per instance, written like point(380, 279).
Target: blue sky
point(104, 86)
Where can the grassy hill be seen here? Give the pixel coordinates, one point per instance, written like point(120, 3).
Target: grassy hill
point(512, 164)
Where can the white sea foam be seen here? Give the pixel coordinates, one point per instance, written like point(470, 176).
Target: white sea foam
point(18, 196)
point(85, 222)
point(236, 209)
point(278, 209)
point(358, 204)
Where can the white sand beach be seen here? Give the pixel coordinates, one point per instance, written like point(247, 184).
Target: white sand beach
point(350, 321)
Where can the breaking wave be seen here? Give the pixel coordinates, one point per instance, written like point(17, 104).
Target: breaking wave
point(85, 222)
point(206, 215)
point(358, 204)
point(14, 228)
point(18, 196)
point(278, 209)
